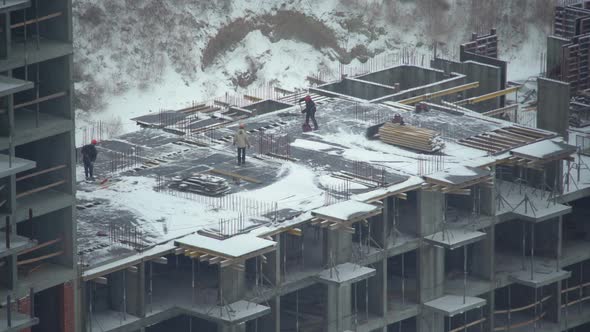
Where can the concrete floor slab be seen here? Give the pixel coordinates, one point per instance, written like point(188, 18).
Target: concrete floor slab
point(9, 85)
point(16, 165)
point(18, 321)
point(454, 238)
point(17, 244)
point(346, 273)
point(451, 305)
point(12, 5)
point(539, 279)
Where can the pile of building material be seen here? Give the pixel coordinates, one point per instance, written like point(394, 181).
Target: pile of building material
point(411, 137)
point(203, 184)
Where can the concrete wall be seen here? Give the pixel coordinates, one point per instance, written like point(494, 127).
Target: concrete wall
point(555, 56)
point(357, 89)
point(553, 105)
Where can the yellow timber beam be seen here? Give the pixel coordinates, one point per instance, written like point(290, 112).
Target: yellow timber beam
point(479, 99)
point(440, 93)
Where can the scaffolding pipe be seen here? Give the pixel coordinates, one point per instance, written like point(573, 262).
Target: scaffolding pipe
point(192, 281)
point(151, 286)
point(367, 299)
point(403, 280)
point(90, 306)
point(124, 295)
point(464, 273)
point(535, 323)
point(297, 311)
point(581, 289)
point(509, 308)
point(523, 244)
point(533, 251)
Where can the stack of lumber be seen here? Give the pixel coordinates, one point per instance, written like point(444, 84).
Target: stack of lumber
point(411, 137)
point(204, 184)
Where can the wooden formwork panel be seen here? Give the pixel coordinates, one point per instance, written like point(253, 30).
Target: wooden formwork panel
point(483, 45)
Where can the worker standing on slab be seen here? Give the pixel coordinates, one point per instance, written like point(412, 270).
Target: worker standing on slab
point(89, 154)
point(241, 140)
point(309, 111)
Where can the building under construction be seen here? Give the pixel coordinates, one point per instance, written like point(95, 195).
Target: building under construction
point(38, 261)
point(422, 203)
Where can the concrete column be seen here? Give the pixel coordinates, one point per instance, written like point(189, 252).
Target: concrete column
point(272, 268)
point(378, 289)
point(232, 284)
point(430, 264)
point(272, 322)
point(339, 246)
point(339, 307)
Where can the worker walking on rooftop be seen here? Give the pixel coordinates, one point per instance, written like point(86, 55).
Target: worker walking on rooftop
point(309, 111)
point(241, 140)
point(89, 157)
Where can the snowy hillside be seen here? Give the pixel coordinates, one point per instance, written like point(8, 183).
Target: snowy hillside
point(136, 56)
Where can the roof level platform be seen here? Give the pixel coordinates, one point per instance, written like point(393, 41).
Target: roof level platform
point(346, 273)
point(9, 85)
point(12, 5)
point(342, 215)
point(454, 180)
point(10, 166)
point(454, 238)
point(233, 250)
point(451, 305)
point(544, 151)
point(538, 278)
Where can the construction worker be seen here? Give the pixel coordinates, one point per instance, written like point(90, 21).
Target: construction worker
point(309, 111)
point(241, 140)
point(89, 157)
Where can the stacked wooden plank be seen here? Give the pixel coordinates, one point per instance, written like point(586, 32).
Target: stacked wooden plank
point(411, 137)
point(204, 184)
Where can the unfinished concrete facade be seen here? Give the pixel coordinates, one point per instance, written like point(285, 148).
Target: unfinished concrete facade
point(488, 235)
point(39, 262)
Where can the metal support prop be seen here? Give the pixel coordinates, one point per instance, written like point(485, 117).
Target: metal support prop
point(535, 323)
point(464, 273)
point(32, 302)
point(192, 281)
point(151, 286)
point(533, 251)
point(567, 304)
point(523, 244)
point(403, 280)
point(367, 299)
point(356, 311)
point(302, 250)
point(124, 296)
point(509, 308)
point(580, 289)
point(465, 321)
point(91, 301)
point(8, 317)
point(297, 311)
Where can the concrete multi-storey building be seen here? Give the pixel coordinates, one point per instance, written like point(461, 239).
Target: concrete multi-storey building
point(340, 229)
point(38, 250)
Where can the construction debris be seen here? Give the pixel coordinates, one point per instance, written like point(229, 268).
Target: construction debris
point(411, 137)
point(203, 184)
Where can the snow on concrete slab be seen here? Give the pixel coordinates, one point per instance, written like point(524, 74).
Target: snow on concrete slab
point(346, 211)
point(233, 247)
point(345, 273)
point(451, 305)
point(121, 263)
point(312, 145)
point(454, 238)
point(544, 149)
point(412, 183)
point(458, 175)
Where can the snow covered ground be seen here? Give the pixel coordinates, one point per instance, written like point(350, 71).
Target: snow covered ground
point(135, 57)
